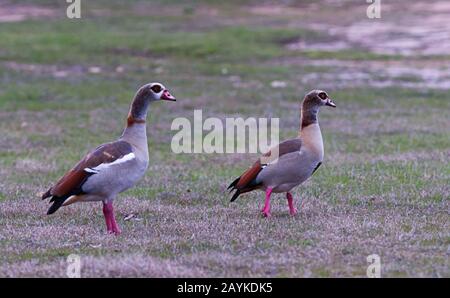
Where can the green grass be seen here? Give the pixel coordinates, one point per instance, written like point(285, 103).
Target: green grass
point(124, 39)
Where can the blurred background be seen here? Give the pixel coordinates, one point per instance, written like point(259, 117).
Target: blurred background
point(66, 84)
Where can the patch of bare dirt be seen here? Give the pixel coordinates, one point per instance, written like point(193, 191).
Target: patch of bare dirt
point(277, 10)
point(330, 46)
point(416, 74)
point(430, 36)
point(17, 13)
point(59, 71)
point(416, 28)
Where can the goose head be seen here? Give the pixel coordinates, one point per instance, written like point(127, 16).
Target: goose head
point(318, 98)
point(154, 92)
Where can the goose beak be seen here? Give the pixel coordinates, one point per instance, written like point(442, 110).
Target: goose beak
point(330, 103)
point(167, 96)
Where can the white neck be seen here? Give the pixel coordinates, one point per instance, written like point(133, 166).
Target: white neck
point(312, 139)
point(136, 135)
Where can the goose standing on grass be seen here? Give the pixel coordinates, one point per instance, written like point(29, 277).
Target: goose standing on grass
point(112, 167)
point(291, 162)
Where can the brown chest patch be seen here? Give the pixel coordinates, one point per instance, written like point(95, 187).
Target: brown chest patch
point(131, 120)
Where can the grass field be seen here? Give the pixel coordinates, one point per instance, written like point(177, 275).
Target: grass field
point(384, 186)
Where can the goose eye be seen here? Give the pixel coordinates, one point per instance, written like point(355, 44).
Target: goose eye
point(323, 95)
point(156, 88)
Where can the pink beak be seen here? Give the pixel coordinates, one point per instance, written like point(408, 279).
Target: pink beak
point(167, 96)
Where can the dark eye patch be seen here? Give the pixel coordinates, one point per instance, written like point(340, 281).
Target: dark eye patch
point(156, 88)
point(323, 95)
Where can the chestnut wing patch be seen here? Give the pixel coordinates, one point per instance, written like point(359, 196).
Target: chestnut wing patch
point(104, 154)
point(247, 181)
point(71, 183)
point(283, 148)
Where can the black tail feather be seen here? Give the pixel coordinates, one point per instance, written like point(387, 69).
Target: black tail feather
point(57, 203)
point(236, 195)
point(249, 187)
point(47, 194)
point(233, 184)
point(232, 187)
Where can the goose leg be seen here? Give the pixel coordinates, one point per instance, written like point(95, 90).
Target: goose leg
point(115, 227)
point(292, 209)
point(266, 209)
point(107, 214)
point(111, 224)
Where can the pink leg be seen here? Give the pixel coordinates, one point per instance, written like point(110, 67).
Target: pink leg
point(111, 225)
point(107, 214)
point(292, 209)
point(266, 209)
point(115, 227)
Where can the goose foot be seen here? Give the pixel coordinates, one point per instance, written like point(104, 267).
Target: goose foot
point(116, 230)
point(266, 210)
point(266, 213)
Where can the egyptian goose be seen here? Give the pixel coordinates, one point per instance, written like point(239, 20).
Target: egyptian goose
point(112, 167)
point(291, 162)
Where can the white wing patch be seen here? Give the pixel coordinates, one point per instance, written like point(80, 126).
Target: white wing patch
point(89, 170)
point(104, 166)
